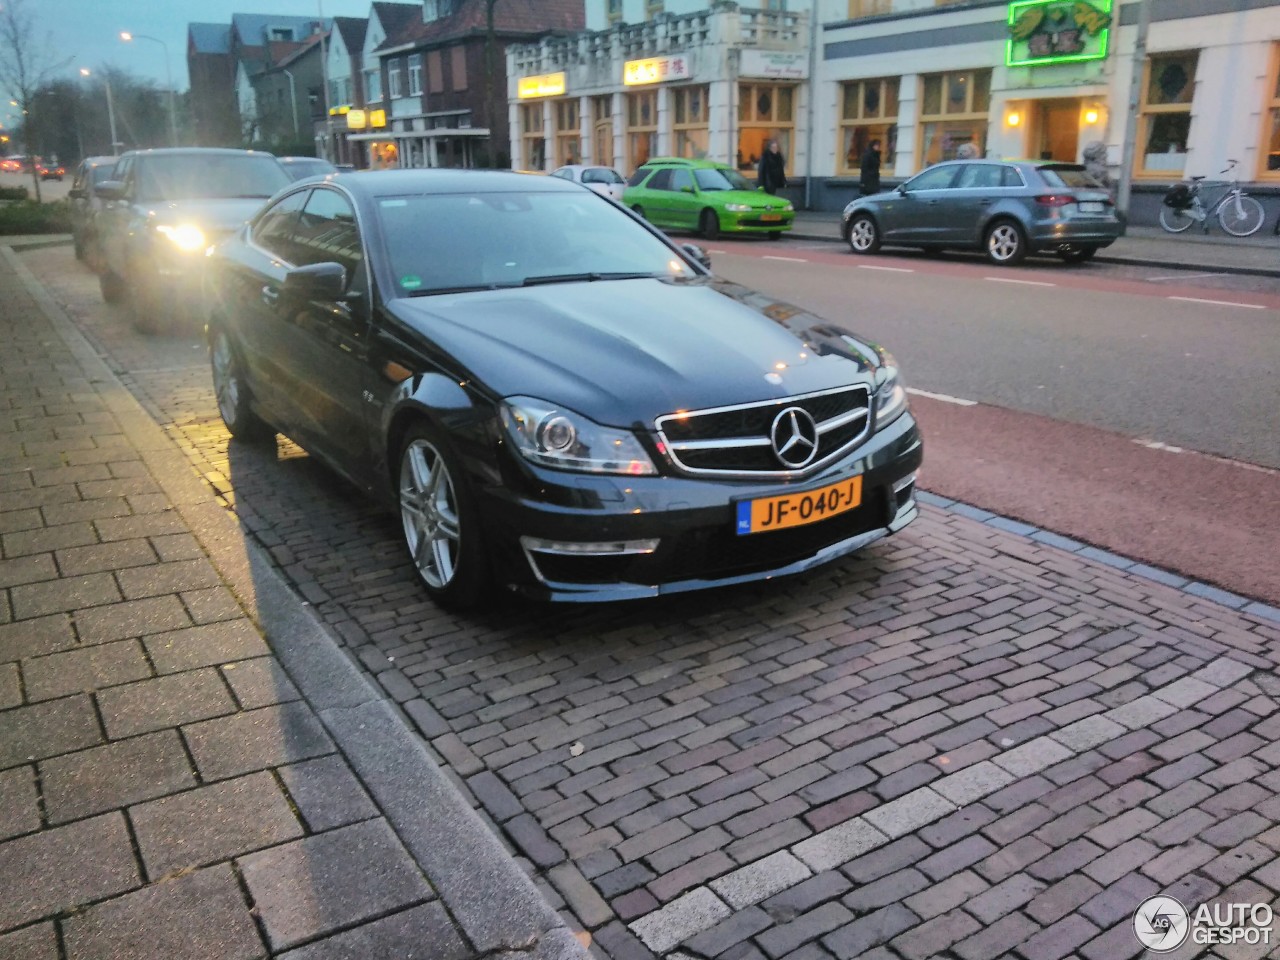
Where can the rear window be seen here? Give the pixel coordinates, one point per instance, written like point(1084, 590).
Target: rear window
point(1070, 177)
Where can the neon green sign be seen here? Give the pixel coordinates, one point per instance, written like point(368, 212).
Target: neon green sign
point(1057, 31)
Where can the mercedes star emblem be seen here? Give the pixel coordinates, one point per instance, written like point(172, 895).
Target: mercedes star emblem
point(795, 438)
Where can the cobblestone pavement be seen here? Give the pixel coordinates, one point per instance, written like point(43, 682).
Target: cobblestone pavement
point(963, 743)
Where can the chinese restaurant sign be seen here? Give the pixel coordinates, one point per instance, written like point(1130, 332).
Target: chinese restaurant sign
point(1057, 31)
point(639, 72)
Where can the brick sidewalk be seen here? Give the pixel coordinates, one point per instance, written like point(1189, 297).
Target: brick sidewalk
point(171, 785)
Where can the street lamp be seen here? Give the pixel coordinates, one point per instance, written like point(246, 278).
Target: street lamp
point(128, 37)
point(293, 98)
point(111, 109)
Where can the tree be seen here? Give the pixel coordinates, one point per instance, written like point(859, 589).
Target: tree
point(26, 62)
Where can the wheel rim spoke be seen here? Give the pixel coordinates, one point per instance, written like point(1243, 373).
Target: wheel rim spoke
point(429, 514)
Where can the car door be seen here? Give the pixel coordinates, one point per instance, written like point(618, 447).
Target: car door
point(918, 217)
point(659, 208)
point(321, 348)
point(243, 293)
point(979, 188)
point(686, 205)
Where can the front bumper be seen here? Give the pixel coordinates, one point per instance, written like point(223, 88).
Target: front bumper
point(752, 222)
point(692, 522)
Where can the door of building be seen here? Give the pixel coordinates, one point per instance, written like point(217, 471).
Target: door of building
point(1058, 130)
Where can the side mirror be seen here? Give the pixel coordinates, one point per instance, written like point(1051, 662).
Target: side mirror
point(697, 253)
point(686, 189)
point(109, 190)
point(902, 189)
point(316, 281)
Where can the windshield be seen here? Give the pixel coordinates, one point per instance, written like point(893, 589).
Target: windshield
point(209, 176)
point(717, 179)
point(452, 242)
point(1071, 177)
point(601, 175)
point(300, 169)
point(101, 173)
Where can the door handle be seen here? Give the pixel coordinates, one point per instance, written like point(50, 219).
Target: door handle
point(270, 296)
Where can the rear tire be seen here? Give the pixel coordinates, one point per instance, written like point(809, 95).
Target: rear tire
point(112, 287)
point(1176, 220)
point(1078, 254)
point(709, 225)
point(440, 521)
point(232, 393)
point(864, 235)
point(1005, 243)
point(146, 312)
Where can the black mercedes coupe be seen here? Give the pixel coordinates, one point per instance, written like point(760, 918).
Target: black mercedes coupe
point(555, 398)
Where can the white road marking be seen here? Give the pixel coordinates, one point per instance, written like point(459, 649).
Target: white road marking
point(1028, 283)
point(718, 251)
point(770, 256)
point(871, 266)
point(1220, 303)
point(1158, 445)
point(945, 398)
point(1170, 448)
point(1184, 276)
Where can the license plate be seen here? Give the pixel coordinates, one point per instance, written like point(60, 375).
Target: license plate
point(1091, 206)
point(797, 509)
point(771, 216)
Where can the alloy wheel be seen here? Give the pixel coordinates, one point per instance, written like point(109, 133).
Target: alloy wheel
point(429, 512)
point(1004, 242)
point(863, 235)
point(226, 379)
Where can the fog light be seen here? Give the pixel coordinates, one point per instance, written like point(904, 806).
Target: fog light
point(606, 548)
point(900, 485)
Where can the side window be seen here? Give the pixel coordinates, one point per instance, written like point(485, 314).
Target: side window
point(1010, 177)
point(123, 169)
point(274, 229)
point(935, 178)
point(77, 182)
point(661, 180)
point(637, 178)
point(327, 233)
point(978, 176)
point(681, 179)
point(563, 174)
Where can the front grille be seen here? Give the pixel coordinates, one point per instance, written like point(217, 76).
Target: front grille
point(735, 441)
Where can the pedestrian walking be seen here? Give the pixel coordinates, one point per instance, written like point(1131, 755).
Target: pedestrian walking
point(869, 181)
point(773, 169)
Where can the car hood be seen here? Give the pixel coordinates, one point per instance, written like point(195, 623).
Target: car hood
point(752, 198)
point(624, 352)
point(217, 216)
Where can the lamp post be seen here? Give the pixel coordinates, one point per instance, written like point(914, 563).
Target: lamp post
point(293, 99)
point(128, 37)
point(111, 110)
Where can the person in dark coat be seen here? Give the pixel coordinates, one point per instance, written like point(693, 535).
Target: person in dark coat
point(772, 174)
point(870, 178)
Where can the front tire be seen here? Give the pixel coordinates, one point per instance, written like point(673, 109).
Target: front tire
point(1078, 254)
point(112, 287)
point(440, 521)
point(709, 225)
point(146, 311)
point(1005, 243)
point(232, 393)
point(1241, 216)
point(1176, 220)
point(864, 235)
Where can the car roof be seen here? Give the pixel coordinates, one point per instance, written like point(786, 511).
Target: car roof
point(699, 164)
point(304, 160)
point(196, 151)
point(398, 183)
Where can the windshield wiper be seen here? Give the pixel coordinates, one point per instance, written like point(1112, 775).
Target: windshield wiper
point(586, 278)
point(469, 288)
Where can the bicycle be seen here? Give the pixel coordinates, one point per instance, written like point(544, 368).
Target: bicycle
point(1239, 214)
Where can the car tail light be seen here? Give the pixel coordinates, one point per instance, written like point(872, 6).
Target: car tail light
point(1055, 199)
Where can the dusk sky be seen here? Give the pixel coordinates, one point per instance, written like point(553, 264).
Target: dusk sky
point(90, 29)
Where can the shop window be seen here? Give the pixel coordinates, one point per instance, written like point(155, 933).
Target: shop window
point(1167, 91)
point(766, 111)
point(533, 136)
point(1271, 117)
point(642, 127)
point(689, 121)
point(869, 111)
point(568, 132)
point(869, 8)
point(953, 115)
point(602, 131)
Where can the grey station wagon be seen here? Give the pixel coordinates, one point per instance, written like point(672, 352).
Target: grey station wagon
point(1005, 208)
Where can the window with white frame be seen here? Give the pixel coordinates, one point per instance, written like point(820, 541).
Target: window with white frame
point(373, 85)
point(394, 88)
point(415, 75)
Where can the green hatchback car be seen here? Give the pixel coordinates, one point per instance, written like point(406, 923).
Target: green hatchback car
point(705, 196)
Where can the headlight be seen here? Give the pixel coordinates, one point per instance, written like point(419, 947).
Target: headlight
point(554, 437)
point(186, 237)
point(891, 398)
point(738, 207)
point(789, 206)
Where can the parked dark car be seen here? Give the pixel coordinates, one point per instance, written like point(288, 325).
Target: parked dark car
point(556, 398)
point(51, 171)
point(299, 168)
point(162, 212)
point(1005, 208)
point(85, 205)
